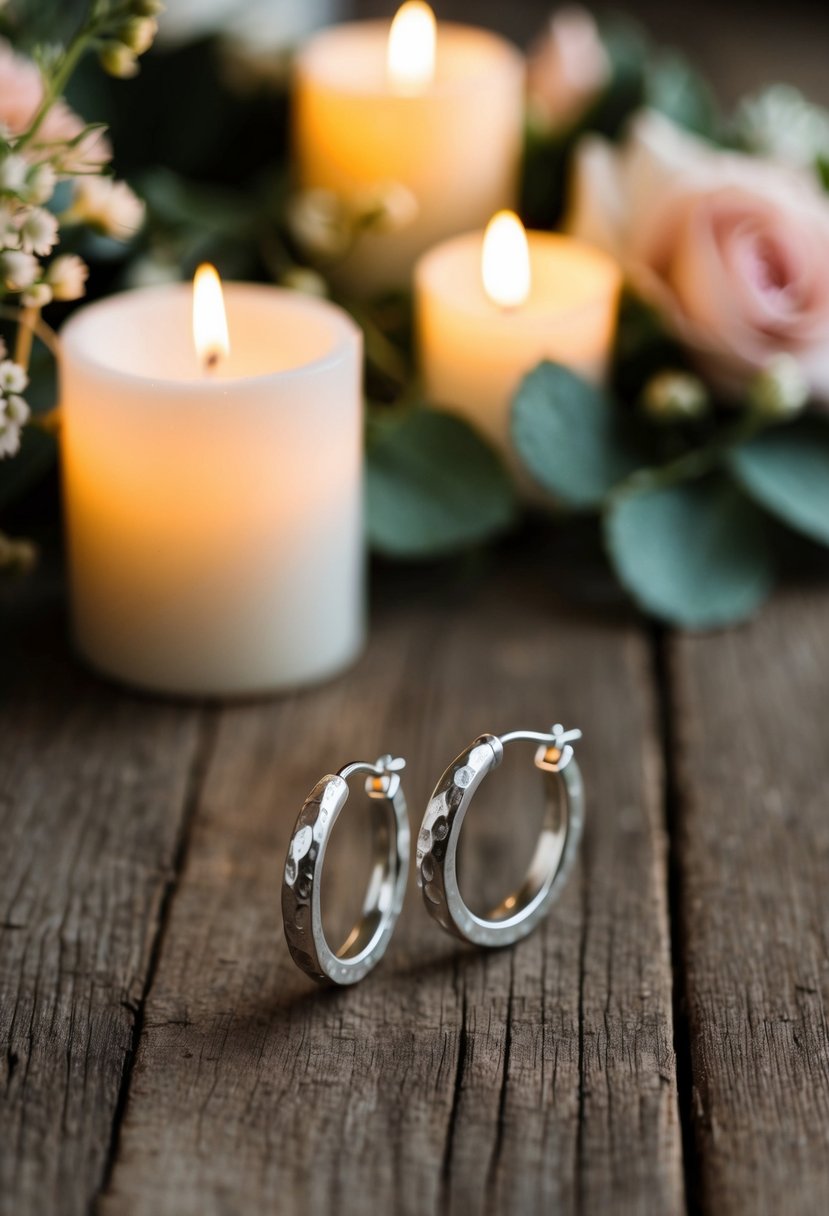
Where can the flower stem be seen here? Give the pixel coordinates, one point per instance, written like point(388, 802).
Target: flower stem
point(55, 86)
point(696, 463)
point(25, 336)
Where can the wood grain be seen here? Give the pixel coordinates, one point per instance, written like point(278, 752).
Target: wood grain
point(93, 794)
point(752, 821)
point(450, 1080)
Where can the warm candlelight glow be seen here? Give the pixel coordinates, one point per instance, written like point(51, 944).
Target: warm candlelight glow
point(505, 262)
point(209, 319)
point(411, 53)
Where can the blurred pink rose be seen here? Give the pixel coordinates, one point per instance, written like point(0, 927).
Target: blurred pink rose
point(21, 92)
point(732, 250)
point(567, 68)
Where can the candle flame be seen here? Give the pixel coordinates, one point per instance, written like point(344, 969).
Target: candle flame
point(505, 262)
point(411, 52)
point(209, 320)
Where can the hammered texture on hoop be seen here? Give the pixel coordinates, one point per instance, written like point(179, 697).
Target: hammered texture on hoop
point(301, 910)
point(437, 841)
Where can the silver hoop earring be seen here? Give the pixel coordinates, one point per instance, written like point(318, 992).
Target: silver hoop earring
point(554, 854)
point(301, 913)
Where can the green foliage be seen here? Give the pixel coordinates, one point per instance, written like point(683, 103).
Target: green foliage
point(433, 486)
point(571, 436)
point(677, 90)
point(694, 554)
point(786, 470)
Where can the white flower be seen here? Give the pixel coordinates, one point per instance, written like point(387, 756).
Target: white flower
point(107, 205)
point(17, 410)
point(389, 207)
point(319, 222)
point(9, 234)
point(18, 270)
point(118, 60)
point(13, 378)
point(567, 68)
point(66, 276)
point(9, 438)
point(40, 184)
point(780, 390)
point(13, 171)
point(37, 296)
point(306, 281)
point(138, 33)
point(39, 232)
point(781, 123)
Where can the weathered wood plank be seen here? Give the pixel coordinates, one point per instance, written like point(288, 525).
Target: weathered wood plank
point(93, 790)
point(753, 851)
point(450, 1080)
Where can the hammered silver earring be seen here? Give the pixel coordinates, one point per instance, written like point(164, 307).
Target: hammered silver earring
point(555, 851)
point(301, 912)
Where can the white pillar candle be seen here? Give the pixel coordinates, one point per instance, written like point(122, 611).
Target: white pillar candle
point(441, 117)
point(214, 520)
point(482, 324)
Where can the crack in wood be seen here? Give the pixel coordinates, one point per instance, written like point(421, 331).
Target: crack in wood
point(500, 1124)
point(206, 736)
point(580, 1115)
point(460, 1068)
point(672, 802)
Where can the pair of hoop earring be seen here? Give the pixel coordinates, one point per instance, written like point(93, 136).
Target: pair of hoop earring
point(437, 845)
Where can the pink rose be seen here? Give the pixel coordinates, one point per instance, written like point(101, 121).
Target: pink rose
point(567, 67)
point(21, 92)
point(731, 249)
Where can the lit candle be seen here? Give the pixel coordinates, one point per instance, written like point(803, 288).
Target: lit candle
point(213, 489)
point(491, 306)
point(436, 110)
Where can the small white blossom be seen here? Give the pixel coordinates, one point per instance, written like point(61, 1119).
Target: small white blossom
point(18, 270)
point(13, 172)
point(17, 410)
point(675, 396)
point(13, 378)
point(389, 207)
point(37, 296)
point(138, 33)
point(306, 281)
point(781, 123)
point(9, 234)
point(9, 438)
point(319, 222)
point(40, 184)
point(118, 60)
point(39, 232)
point(110, 206)
point(780, 390)
point(67, 276)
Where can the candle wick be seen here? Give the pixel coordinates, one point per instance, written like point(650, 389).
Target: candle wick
point(211, 361)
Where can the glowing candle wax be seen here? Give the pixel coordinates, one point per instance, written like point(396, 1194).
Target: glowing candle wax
point(437, 110)
point(213, 492)
point(490, 306)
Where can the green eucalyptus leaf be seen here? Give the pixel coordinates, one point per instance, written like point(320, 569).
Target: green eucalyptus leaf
point(694, 554)
point(786, 470)
point(571, 436)
point(679, 92)
point(433, 486)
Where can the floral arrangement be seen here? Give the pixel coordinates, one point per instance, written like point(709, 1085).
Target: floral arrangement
point(709, 446)
point(53, 180)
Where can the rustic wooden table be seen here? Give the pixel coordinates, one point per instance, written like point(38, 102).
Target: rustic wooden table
point(660, 1045)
